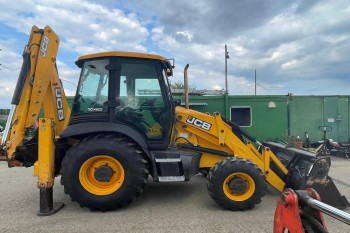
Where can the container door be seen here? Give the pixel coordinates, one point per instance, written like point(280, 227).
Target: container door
point(336, 113)
point(342, 119)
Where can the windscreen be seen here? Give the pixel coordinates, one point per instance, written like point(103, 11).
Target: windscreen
point(93, 88)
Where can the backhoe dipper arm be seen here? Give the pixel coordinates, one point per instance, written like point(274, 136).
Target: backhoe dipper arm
point(38, 87)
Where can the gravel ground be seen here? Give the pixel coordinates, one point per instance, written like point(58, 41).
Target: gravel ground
point(163, 207)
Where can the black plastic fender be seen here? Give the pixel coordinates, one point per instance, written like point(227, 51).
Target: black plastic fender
point(80, 129)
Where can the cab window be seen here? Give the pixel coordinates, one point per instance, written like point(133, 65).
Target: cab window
point(92, 89)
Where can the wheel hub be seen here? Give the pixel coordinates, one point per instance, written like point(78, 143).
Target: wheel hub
point(238, 185)
point(103, 173)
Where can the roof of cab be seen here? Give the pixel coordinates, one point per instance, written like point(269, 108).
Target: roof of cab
point(122, 54)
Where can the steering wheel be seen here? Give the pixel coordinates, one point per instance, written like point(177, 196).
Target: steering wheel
point(96, 105)
point(150, 105)
point(131, 115)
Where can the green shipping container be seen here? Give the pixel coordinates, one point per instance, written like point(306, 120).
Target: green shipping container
point(275, 117)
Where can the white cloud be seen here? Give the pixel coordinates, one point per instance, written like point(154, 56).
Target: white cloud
point(88, 27)
point(293, 45)
point(185, 34)
point(289, 65)
point(216, 87)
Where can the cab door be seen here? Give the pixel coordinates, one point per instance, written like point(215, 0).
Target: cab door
point(145, 103)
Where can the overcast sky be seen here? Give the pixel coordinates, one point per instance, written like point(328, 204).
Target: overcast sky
point(299, 47)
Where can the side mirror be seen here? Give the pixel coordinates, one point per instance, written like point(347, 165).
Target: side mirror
point(169, 67)
point(169, 72)
point(177, 102)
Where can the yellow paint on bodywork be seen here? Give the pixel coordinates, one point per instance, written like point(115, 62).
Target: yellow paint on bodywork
point(209, 160)
point(44, 168)
point(219, 137)
point(122, 54)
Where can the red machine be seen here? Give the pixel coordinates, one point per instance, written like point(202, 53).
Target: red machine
point(301, 211)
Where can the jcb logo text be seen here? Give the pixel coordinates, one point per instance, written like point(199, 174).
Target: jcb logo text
point(199, 123)
point(59, 104)
point(44, 46)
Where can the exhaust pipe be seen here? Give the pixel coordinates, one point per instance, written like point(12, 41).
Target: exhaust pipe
point(186, 86)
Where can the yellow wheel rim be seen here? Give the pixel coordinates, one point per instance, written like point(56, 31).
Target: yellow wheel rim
point(93, 184)
point(239, 186)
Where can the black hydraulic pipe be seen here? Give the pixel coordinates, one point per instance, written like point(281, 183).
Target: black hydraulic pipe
point(21, 79)
point(203, 149)
point(238, 129)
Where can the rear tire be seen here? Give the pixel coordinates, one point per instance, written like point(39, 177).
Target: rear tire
point(104, 172)
point(236, 184)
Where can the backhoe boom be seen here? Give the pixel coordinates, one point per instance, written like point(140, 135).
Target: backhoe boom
point(27, 141)
point(38, 88)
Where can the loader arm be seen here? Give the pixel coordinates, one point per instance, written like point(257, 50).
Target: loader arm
point(212, 136)
point(38, 88)
point(217, 138)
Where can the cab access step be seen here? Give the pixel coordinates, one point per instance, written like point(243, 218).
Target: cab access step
point(175, 165)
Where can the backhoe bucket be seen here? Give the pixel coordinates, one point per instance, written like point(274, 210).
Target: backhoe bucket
point(306, 170)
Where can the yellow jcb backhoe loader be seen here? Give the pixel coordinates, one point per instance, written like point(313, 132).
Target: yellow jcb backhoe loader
point(124, 126)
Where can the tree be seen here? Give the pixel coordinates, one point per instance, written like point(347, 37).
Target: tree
point(2, 123)
point(177, 85)
point(181, 85)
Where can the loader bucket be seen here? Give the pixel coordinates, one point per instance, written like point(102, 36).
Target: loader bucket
point(306, 170)
point(319, 180)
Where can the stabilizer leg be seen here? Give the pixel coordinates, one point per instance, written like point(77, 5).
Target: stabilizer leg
point(44, 167)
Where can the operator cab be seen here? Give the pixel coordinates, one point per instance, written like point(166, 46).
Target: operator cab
point(129, 89)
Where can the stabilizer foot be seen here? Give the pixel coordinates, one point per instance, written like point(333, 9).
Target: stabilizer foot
point(47, 207)
point(57, 206)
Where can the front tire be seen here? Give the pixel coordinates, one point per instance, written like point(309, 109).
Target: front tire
point(236, 184)
point(104, 172)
